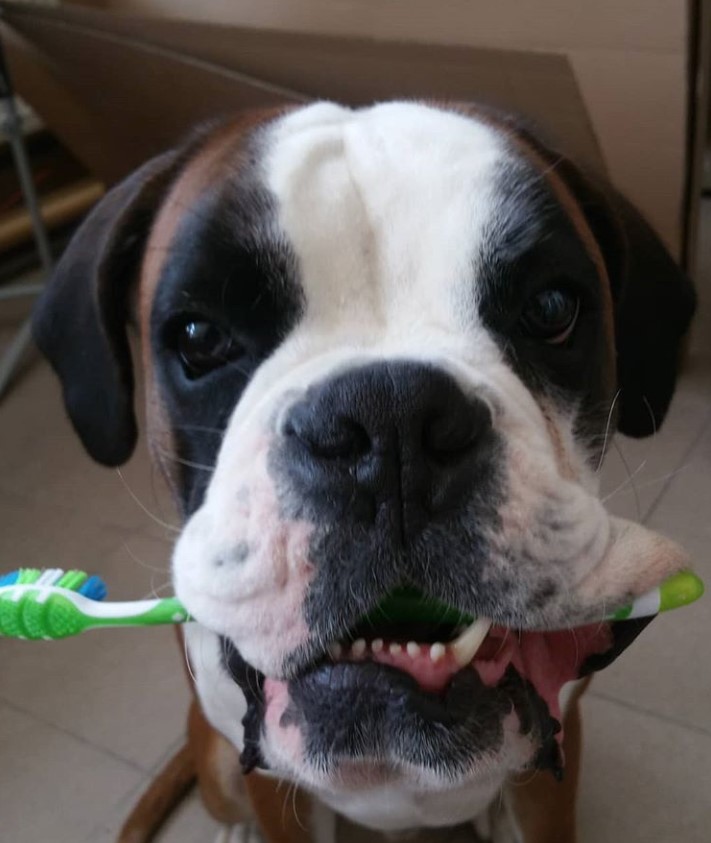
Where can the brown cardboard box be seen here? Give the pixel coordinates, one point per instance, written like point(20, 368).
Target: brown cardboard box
point(615, 82)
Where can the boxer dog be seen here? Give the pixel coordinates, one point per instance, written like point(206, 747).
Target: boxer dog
point(385, 350)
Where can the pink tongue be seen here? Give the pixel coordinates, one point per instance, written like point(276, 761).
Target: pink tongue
point(546, 659)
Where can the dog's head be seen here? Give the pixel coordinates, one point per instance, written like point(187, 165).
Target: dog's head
point(385, 351)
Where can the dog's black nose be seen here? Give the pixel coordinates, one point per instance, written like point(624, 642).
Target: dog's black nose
point(398, 435)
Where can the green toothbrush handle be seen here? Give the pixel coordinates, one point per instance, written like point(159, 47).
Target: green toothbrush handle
point(168, 610)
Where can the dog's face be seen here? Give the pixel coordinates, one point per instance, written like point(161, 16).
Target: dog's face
point(384, 350)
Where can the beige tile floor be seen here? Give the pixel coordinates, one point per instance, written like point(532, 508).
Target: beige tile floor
point(84, 723)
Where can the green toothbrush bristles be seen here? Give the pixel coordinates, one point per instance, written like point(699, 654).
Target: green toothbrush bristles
point(73, 580)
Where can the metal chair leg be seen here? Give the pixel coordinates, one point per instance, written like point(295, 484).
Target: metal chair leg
point(11, 127)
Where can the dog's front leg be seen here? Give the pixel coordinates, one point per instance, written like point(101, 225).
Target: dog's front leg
point(545, 810)
point(323, 823)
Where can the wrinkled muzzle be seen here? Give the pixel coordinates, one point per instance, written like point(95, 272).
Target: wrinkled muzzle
point(404, 581)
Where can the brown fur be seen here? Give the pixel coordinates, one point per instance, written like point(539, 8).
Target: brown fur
point(219, 775)
point(166, 791)
point(545, 808)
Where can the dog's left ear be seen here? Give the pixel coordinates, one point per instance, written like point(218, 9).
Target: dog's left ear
point(654, 302)
point(80, 321)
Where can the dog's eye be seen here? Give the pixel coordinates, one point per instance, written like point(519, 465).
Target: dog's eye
point(203, 346)
point(550, 315)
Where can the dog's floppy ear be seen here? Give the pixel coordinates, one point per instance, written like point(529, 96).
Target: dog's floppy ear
point(80, 321)
point(654, 302)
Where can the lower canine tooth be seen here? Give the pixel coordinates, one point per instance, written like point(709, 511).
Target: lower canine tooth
point(437, 651)
point(465, 647)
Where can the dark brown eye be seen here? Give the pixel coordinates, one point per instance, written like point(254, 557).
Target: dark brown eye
point(203, 346)
point(550, 316)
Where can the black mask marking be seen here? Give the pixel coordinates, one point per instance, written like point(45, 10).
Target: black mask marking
point(227, 264)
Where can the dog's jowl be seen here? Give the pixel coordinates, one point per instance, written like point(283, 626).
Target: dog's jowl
point(385, 352)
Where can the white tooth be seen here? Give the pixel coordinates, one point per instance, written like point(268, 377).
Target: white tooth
point(335, 650)
point(413, 649)
point(395, 649)
point(465, 647)
point(358, 647)
point(377, 645)
point(437, 651)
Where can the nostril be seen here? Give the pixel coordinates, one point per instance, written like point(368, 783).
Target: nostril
point(445, 438)
point(332, 438)
point(344, 438)
point(451, 434)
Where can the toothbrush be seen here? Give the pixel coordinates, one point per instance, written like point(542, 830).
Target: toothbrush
point(53, 604)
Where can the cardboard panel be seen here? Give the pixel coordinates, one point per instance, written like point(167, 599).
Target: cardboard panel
point(639, 109)
point(630, 59)
point(650, 25)
point(354, 71)
point(614, 79)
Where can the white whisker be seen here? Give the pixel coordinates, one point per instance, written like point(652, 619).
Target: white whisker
point(180, 461)
point(158, 570)
point(187, 658)
point(630, 476)
point(607, 430)
point(142, 506)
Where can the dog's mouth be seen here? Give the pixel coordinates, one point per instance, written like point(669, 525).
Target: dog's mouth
point(432, 642)
point(417, 682)
point(419, 636)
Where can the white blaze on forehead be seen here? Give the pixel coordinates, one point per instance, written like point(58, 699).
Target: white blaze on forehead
point(385, 208)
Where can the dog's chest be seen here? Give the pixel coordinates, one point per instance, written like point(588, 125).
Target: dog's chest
point(393, 808)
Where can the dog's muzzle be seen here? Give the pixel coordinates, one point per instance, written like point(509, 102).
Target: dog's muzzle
point(387, 479)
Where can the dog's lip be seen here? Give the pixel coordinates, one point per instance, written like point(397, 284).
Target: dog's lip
point(547, 659)
point(368, 712)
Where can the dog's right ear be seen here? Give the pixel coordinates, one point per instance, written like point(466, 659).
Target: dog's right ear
point(80, 321)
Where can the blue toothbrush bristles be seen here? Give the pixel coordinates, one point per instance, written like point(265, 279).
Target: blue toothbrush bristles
point(94, 588)
point(9, 579)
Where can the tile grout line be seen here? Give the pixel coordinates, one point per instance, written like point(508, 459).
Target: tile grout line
point(665, 718)
point(682, 462)
point(69, 733)
point(123, 805)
